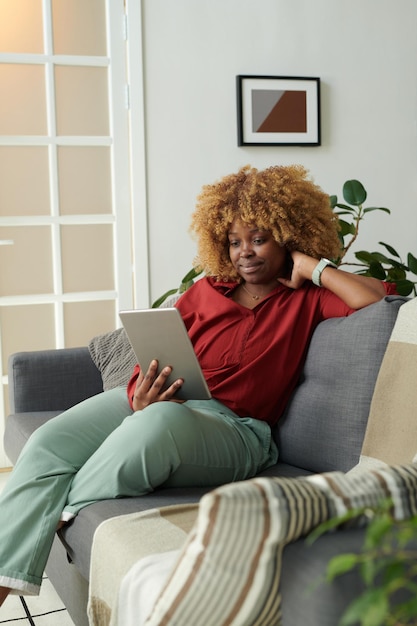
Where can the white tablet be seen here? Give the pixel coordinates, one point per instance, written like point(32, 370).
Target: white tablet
point(161, 334)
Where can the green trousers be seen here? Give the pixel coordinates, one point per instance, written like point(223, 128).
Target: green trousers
point(101, 449)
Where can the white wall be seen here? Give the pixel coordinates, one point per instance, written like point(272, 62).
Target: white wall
point(365, 53)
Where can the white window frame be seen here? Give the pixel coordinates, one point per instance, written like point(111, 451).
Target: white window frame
point(128, 171)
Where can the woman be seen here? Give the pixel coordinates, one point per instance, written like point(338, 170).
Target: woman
point(261, 235)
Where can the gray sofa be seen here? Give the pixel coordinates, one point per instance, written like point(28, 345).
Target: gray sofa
point(322, 430)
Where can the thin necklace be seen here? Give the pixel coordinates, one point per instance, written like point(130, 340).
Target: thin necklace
point(250, 294)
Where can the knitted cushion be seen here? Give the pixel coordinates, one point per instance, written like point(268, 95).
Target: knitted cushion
point(113, 356)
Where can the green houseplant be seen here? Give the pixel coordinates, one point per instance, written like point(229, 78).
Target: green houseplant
point(387, 565)
point(377, 264)
point(185, 283)
point(350, 214)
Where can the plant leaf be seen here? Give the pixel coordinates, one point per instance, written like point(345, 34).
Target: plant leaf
point(404, 287)
point(376, 208)
point(370, 609)
point(341, 564)
point(162, 298)
point(377, 271)
point(376, 530)
point(193, 273)
point(351, 209)
point(365, 256)
point(393, 572)
point(185, 286)
point(354, 192)
point(346, 228)
point(412, 263)
point(368, 570)
point(381, 258)
point(398, 265)
point(333, 201)
point(396, 273)
point(407, 611)
point(390, 249)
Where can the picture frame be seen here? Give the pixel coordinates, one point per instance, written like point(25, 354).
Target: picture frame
point(278, 110)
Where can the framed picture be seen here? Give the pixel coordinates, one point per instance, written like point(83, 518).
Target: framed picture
point(278, 111)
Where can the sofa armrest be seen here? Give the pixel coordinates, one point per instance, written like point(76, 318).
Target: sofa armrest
point(51, 380)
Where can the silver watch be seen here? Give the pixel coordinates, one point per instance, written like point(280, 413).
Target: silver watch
point(318, 270)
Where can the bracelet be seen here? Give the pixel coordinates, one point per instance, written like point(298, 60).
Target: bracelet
point(318, 270)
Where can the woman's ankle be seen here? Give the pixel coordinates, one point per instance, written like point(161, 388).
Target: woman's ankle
point(4, 592)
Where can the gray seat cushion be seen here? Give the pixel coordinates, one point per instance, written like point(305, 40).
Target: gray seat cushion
point(307, 597)
point(19, 428)
point(78, 536)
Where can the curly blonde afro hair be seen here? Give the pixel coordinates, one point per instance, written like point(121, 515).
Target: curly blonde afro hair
point(279, 199)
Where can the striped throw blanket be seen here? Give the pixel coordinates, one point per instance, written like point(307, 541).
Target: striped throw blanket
point(122, 541)
point(228, 571)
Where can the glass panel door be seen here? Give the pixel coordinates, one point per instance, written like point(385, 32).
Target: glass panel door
point(66, 262)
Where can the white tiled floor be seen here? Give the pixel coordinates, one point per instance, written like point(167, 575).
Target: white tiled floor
point(45, 610)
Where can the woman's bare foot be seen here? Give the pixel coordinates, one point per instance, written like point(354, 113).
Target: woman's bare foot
point(4, 592)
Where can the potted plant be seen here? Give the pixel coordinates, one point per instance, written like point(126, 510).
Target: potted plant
point(377, 264)
point(350, 214)
point(387, 565)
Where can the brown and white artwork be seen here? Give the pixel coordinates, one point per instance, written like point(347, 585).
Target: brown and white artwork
point(278, 110)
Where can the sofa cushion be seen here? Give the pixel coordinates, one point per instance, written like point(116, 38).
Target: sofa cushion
point(19, 427)
point(78, 536)
point(113, 356)
point(325, 421)
point(51, 380)
point(391, 433)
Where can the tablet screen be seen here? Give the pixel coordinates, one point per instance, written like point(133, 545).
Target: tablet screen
point(161, 334)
